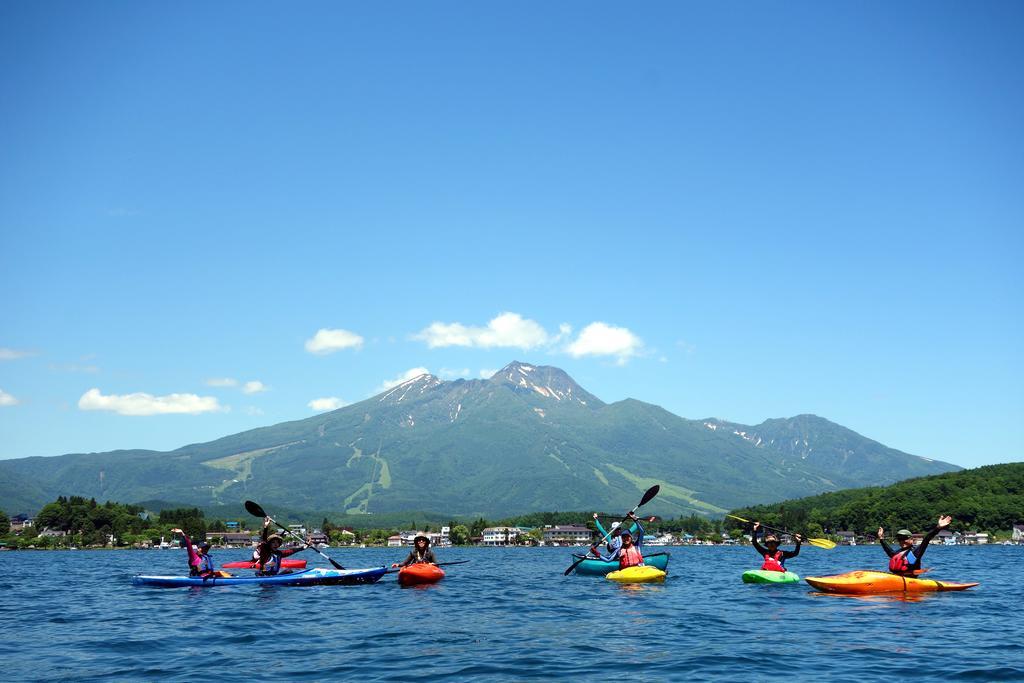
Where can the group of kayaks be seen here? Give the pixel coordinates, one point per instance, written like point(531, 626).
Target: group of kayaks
point(851, 583)
point(411, 575)
point(652, 571)
point(862, 582)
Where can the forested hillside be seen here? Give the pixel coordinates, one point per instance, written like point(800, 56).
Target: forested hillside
point(988, 498)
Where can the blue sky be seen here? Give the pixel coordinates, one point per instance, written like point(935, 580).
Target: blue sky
point(731, 210)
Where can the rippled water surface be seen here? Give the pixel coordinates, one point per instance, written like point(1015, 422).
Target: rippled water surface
point(509, 614)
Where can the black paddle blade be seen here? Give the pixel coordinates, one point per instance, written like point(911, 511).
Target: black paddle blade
point(253, 508)
point(651, 493)
point(573, 566)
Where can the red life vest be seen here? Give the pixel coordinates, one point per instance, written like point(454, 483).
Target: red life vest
point(630, 557)
point(898, 562)
point(773, 563)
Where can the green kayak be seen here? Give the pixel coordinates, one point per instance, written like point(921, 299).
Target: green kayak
point(763, 576)
point(593, 566)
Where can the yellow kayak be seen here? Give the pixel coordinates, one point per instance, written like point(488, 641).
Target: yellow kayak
point(638, 574)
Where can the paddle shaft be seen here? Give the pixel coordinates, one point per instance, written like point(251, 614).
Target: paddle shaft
point(817, 542)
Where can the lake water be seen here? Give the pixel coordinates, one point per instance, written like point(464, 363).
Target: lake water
point(509, 615)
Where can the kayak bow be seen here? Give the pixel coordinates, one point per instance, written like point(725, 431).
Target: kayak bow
point(765, 576)
point(420, 573)
point(638, 574)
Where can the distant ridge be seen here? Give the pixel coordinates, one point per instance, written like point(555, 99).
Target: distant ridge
point(527, 439)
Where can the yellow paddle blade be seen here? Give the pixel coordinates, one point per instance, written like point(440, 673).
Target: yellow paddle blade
point(822, 543)
point(739, 518)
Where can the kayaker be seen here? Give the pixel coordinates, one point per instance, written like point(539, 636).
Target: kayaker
point(628, 553)
point(268, 553)
point(774, 559)
point(614, 540)
point(906, 560)
point(421, 552)
point(199, 561)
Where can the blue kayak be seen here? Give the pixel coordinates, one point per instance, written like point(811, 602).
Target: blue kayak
point(310, 577)
point(593, 566)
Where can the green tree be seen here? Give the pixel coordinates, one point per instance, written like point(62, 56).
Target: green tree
point(459, 534)
point(477, 527)
point(5, 523)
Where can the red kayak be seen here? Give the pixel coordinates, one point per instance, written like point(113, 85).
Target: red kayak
point(420, 573)
point(285, 564)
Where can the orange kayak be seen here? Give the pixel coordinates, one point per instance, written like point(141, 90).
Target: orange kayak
point(868, 582)
point(422, 572)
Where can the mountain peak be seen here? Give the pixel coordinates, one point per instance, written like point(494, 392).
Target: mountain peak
point(546, 381)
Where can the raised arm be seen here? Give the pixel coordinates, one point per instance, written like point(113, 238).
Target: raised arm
point(885, 546)
point(761, 550)
point(786, 554)
point(193, 556)
point(943, 522)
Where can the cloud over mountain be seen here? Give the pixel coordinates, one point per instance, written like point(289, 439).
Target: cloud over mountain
point(328, 341)
point(140, 403)
point(601, 339)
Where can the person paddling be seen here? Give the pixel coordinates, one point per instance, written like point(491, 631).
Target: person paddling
point(614, 540)
point(627, 551)
point(199, 561)
point(774, 559)
point(420, 553)
point(268, 553)
point(906, 560)
point(630, 554)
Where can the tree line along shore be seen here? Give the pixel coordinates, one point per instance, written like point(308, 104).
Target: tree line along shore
point(988, 500)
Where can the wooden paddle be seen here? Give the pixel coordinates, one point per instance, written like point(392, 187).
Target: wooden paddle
point(255, 510)
point(648, 495)
point(822, 543)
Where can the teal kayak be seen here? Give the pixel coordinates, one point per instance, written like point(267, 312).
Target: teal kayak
point(310, 577)
point(764, 576)
point(593, 566)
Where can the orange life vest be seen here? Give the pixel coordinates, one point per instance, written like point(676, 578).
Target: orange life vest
point(630, 557)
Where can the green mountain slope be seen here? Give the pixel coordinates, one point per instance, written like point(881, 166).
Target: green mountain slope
point(527, 439)
point(990, 497)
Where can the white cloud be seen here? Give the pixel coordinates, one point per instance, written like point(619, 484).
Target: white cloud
point(254, 387)
point(329, 403)
point(253, 410)
point(404, 377)
point(449, 373)
point(7, 400)
point(221, 382)
point(328, 341)
point(507, 330)
point(146, 404)
point(488, 373)
point(601, 339)
point(14, 354)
